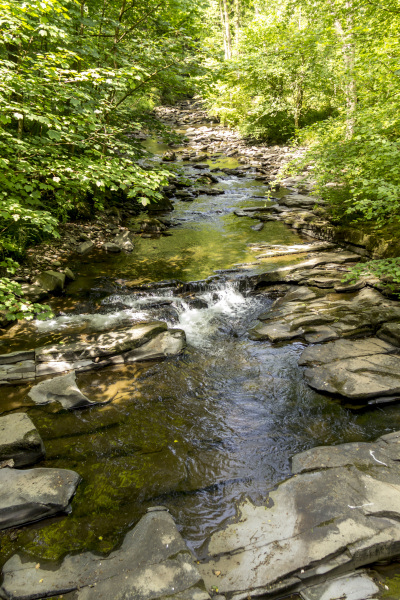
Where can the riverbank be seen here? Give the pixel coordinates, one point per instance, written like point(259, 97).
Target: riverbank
point(188, 390)
point(115, 230)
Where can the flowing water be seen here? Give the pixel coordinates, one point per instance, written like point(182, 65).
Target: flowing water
point(198, 433)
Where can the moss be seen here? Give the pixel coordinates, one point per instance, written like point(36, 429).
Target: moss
point(393, 593)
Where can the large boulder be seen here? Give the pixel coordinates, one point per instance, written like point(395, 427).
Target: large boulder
point(51, 281)
point(145, 224)
point(152, 563)
point(169, 156)
point(316, 315)
point(85, 247)
point(33, 293)
point(20, 440)
point(27, 496)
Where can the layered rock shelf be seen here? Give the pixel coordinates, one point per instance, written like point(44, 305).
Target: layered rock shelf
point(142, 341)
point(337, 513)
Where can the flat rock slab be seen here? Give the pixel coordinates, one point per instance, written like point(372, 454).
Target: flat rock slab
point(270, 250)
point(167, 343)
point(318, 524)
point(299, 200)
point(152, 563)
point(357, 586)
point(62, 389)
point(34, 494)
point(20, 440)
point(358, 379)
point(344, 349)
point(360, 370)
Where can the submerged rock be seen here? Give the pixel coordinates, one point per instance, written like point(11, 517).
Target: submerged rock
point(112, 247)
point(27, 496)
point(20, 440)
point(152, 563)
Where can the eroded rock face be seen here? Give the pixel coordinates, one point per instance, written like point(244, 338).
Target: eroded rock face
point(152, 563)
point(34, 494)
point(20, 440)
point(339, 512)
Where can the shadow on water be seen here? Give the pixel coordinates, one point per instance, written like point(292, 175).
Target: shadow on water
point(198, 433)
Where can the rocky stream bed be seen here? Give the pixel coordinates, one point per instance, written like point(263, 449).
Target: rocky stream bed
point(215, 409)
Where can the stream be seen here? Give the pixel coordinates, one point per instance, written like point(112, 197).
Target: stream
point(198, 433)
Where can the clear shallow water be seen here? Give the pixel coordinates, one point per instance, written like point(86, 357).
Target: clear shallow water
point(198, 433)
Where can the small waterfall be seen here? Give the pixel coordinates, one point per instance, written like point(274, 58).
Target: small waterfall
point(225, 306)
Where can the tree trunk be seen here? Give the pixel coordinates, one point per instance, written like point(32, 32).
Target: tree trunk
point(228, 53)
point(237, 25)
point(117, 29)
point(223, 26)
point(348, 49)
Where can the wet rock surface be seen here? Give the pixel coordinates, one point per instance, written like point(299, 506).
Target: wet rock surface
point(139, 342)
point(34, 494)
point(321, 308)
point(336, 514)
point(357, 586)
point(153, 562)
point(63, 390)
point(20, 440)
